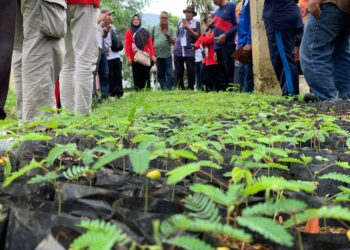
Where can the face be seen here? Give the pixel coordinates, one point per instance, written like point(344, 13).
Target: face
point(164, 18)
point(136, 21)
point(218, 2)
point(189, 15)
point(210, 20)
point(109, 18)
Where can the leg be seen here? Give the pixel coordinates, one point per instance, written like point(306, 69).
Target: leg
point(40, 62)
point(342, 63)
point(222, 69)
point(229, 64)
point(112, 76)
point(317, 50)
point(119, 77)
point(103, 75)
point(199, 79)
point(84, 29)
point(161, 76)
point(67, 88)
point(250, 77)
point(179, 70)
point(169, 73)
point(7, 33)
point(191, 71)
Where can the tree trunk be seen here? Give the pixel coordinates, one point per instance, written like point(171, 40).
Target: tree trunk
point(265, 79)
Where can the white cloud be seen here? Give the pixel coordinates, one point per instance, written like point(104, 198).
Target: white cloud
point(175, 7)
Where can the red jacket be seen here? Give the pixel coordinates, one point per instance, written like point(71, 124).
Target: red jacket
point(95, 3)
point(129, 40)
point(207, 41)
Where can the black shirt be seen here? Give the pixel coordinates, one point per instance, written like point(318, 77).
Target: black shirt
point(282, 15)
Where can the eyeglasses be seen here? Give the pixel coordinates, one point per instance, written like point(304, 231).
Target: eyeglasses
point(164, 17)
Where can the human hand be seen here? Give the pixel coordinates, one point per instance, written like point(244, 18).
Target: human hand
point(314, 7)
point(154, 59)
point(185, 24)
point(247, 47)
point(222, 39)
point(128, 60)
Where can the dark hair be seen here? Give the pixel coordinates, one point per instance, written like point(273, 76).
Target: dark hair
point(205, 19)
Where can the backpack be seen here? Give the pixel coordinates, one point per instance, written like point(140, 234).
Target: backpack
point(117, 43)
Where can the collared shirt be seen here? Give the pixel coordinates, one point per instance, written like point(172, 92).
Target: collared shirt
point(108, 44)
point(161, 44)
point(182, 47)
point(344, 5)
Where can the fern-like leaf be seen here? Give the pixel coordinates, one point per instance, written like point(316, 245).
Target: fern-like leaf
point(140, 160)
point(336, 177)
point(336, 212)
point(180, 173)
point(189, 243)
point(59, 150)
point(287, 206)
point(278, 184)
point(75, 172)
point(101, 235)
point(233, 195)
point(202, 208)
point(43, 178)
point(267, 228)
point(15, 175)
point(184, 223)
point(110, 158)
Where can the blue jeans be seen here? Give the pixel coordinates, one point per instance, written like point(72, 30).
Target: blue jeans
point(325, 53)
point(165, 73)
point(103, 75)
point(246, 78)
point(199, 80)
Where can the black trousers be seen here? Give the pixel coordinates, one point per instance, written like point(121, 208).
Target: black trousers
point(115, 77)
point(226, 65)
point(213, 81)
point(180, 70)
point(7, 33)
point(141, 76)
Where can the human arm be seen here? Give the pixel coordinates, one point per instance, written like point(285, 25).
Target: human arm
point(128, 46)
point(314, 7)
point(151, 49)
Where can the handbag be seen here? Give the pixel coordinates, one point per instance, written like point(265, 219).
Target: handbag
point(242, 56)
point(117, 43)
point(142, 58)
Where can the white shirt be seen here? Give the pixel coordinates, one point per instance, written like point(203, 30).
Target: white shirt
point(108, 43)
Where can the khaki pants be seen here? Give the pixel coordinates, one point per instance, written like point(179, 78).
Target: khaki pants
point(37, 60)
point(76, 78)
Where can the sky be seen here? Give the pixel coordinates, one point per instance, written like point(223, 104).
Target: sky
point(173, 6)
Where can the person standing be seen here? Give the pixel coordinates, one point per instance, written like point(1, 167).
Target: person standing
point(211, 79)
point(37, 56)
point(163, 38)
point(187, 34)
point(225, 24)
point(245, 69)
point(114, 63)
point(325, 49)
point(81, 51)
point(7, 34)
point(138, 39)
point(283, 21)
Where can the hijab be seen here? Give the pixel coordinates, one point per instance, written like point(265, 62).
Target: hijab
point(142, 35)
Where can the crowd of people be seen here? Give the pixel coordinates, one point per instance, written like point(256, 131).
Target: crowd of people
point(75, 42)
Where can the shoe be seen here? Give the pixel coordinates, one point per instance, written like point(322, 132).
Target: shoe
point(311, 98)
point(2, 114)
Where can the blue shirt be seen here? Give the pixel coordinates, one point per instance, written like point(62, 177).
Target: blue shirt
point(225, 23)
point(282, 15)
point(244, 26)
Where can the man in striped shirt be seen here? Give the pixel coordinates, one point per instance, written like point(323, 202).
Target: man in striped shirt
point(225, 28)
